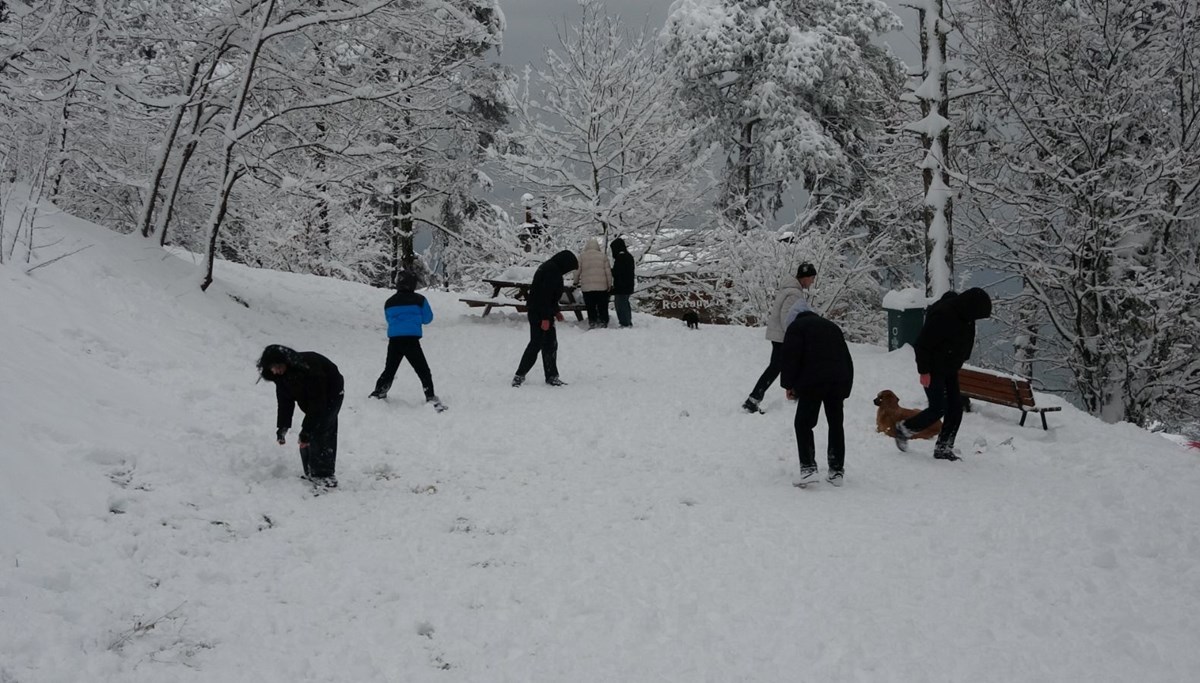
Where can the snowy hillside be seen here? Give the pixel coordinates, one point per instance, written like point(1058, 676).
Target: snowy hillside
point(632, 526)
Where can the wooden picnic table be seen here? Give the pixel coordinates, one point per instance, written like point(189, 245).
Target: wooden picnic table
point(520, 296)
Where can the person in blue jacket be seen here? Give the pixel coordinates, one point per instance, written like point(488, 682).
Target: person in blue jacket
point(406, 312)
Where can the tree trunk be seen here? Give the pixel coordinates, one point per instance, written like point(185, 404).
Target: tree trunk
point(402, 226)
point(1026, 343)
point(164, 154)
point(56, 184)
point(168, 208)
point(218, 216)
point(747, 158)
point(230, 175)
point(938, 211)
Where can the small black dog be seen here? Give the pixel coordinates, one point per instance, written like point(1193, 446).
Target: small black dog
point(692, 319)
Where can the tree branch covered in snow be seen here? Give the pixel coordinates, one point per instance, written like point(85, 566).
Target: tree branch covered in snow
point(1087, 169)
point(793, 87)
point(596, 134)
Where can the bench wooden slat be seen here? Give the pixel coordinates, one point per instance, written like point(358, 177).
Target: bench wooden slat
point(520, 306)
point(1002, 390)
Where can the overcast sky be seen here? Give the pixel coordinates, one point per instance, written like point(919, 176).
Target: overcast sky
point(532, 25)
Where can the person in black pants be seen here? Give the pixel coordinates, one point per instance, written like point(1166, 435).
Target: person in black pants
point(406, 313)
point(542, 310)
point(622, 281)
point(817, 371)
point(311, 381)
point(790, 293)
point(941, 348)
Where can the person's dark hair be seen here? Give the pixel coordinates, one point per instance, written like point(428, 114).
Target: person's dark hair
point(806, 270)
point(406, 281)
point(276, 354)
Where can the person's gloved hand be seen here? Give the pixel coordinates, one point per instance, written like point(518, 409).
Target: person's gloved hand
point(558, 316)
point(303, 439)
point(279, 436)
point(545, 325)
point(925, 380)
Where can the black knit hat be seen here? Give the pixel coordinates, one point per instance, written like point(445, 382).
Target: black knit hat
point(806, 270)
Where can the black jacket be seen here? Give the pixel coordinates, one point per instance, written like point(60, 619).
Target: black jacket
point(311, 381)
point(622, 270)
point(816, 362)
point(547, 286)
point(948, 335)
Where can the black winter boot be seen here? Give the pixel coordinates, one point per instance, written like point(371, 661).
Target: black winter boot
point(945, 451)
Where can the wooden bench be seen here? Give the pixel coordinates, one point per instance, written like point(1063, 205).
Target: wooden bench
point(520, 293)
point(489, 304)
point(1003, 390)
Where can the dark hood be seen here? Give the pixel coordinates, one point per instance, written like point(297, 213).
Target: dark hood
point(565, 261)
point(277, 353)
point(618, 246)
point(973, 304)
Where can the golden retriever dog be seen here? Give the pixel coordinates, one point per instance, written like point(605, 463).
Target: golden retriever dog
point(890, 412)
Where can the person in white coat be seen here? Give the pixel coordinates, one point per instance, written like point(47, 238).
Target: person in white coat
point(787, 297)
point(594, 279)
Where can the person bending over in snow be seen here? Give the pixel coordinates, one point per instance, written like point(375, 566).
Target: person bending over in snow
point(406, 312)
point(816, 370)
point(542, 310)
point(942, 346)
point(311, 381)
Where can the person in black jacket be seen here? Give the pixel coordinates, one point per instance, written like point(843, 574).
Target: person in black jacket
point(622, 279)
point(311, 381)
point(542, 310)
point(406, 313)
point(942, 346)
point(817, 371)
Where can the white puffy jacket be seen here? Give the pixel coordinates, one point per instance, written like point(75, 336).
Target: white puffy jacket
point(784, 300)
point(594, 274)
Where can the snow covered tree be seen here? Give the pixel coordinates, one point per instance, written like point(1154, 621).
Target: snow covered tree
point(934, 95)
point(199, 115)
point(282, 78)
point(794, 87)
point(597, 136)
point(1093, 169)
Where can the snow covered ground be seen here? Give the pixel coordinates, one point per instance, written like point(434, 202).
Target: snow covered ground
point(633, 526)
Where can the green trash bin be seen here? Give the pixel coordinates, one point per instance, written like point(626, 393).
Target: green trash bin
point(906, 314)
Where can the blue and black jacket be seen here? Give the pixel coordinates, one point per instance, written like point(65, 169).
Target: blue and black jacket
point(406, 312)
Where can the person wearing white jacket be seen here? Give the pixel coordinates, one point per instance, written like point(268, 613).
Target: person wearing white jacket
point(594, 279)
point(788, 296)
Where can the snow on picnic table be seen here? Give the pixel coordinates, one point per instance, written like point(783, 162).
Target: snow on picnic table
point(632, 526)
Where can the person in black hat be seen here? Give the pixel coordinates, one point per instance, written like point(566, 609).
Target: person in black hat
point(542, 310)
point(791, 292)
point(942, 346)
point(311, 381)
point(406, 313)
